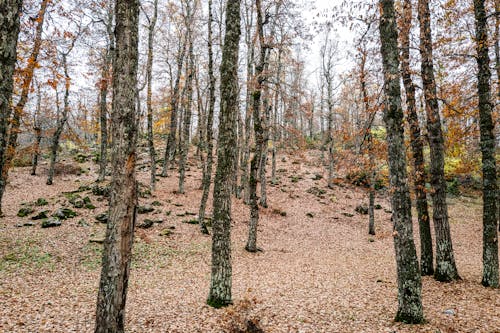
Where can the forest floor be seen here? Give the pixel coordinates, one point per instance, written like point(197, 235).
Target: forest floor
point(319, 270)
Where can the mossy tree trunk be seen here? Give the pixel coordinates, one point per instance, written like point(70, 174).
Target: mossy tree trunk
point(37, 129)
point(186, 128)
point(11, 115)
point(103, 96)
point(149, 106)
point(417, 147)
point(62, 117)
point(221, 280)
point(256, 161)
point(207, 168)
point(486, 125)
point(174, 104)
point(117, 252)
point(408, 274)
point(446, 269)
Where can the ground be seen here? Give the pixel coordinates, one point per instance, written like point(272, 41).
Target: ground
point(319, 270)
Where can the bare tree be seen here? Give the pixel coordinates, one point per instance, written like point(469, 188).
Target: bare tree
point(117, 250)
point(409, 280)
point(221, 280)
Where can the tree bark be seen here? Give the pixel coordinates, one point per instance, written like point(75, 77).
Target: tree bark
point(62, 118)
point(426, 255)
point(184, 145)
point(490, 188)
point(259, 134)
point(103, 95)
point(149, 80)
point(37, 129)
point(409, 280)
point(117, 252)
point(446, 269)
point(174, 103)
point(207, 169)
point(9, 24)
point(220, 284)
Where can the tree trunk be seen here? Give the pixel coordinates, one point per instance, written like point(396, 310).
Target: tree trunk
point(37, 129)
point(117, 252)
point(9, 24)
point(184, 145)
point(446, 269)
point(426, 255)
point(149, 79)
point(207, 169)
point(490, 188)
point(245, 175)
point(174, 103)
point(61, 120)
point(103, 103)
point(409, 280)
point(220, 284)
point(259, 134)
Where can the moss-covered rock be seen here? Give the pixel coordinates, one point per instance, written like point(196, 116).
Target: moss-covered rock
point(64, 213)
point(41, 202)
point(25, 211)
point(102, 218)
point(144, 209)
point(51, 222)
point(40, 216)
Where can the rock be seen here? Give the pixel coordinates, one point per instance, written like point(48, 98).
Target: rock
point(146, 224)
point(192, 221)
point(311, 215)
point(51, 222)
point(97, 240)
point(76, 201)
point(144, 209)
point(25, 224)
point(40, 216)
point(361, 209)
point(83, 223)
point(316, 191)
point(449, 312)
point(348, 214)
point(88, 203)
point(178, 205)
point(388, 211)
point(41, 202)
point(156, 203)
point(101, 190)
point(25, 211)
point(165, 232)
point(103, 217)
point(64, 213)
point(317, 176)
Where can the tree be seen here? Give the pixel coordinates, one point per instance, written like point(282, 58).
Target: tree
point(37, 129)
point(417, 146)
point(328, 51)
point(207, 168)
point(103, 92)
point(62, 117)
point(490, 188)
point(184, 145)
point(117, 251)
point(446, 269)
point(149, 79)
point(9, 19)
point(256, 161)
point(409, 280)
point(220, 284)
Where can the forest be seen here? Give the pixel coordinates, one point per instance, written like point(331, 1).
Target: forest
point(249, 166)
